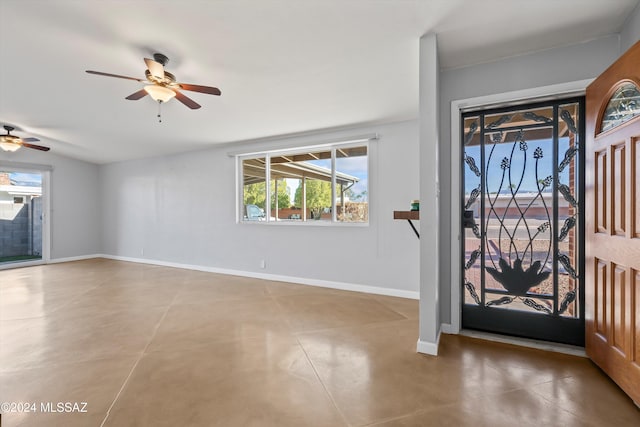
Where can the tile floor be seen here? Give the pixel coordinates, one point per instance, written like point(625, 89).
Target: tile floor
point(153, 346)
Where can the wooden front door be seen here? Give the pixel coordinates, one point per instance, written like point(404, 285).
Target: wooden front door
point(613, 222)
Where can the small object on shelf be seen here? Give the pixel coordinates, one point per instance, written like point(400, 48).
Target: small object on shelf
point(415, 205)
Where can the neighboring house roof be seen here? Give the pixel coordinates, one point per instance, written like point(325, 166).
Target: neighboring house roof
point(21, 190)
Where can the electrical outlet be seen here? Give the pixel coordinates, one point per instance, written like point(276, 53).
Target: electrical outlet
point(263, 264)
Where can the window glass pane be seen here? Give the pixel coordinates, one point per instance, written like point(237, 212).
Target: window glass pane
point(302, 187)
point(316, 185)
point(295, 211)
point(254, 192)
point(352, 192)
point(279, 189)
point(318, 198)
point(308, 178)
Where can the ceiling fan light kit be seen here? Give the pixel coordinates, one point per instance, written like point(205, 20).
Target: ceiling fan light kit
point(159, 93)
point(8, 145)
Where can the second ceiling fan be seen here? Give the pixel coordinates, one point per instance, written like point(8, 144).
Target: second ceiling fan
point(161, 84)
point(10, 142)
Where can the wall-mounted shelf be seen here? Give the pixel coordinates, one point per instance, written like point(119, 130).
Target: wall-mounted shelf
point(408, 215)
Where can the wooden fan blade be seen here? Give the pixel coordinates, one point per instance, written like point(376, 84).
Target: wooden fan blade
point(29, 139)
point(100, 73)
point(35, 147)
point(137, 95)
point(155, 68)
point(186, 100)
point(202, 89)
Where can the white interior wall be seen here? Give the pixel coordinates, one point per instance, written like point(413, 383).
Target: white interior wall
point(630, 33)
point(549, 67)
point(181, 210)
point(75, 218)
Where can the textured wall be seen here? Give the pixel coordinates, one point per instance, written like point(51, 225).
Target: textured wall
point(630, 33)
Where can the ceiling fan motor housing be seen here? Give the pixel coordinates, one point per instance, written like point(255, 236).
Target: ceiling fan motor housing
point(168, 80)
point(8, 138)
point(162, 59)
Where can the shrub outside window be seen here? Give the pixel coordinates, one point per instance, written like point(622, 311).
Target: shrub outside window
point(324, 185)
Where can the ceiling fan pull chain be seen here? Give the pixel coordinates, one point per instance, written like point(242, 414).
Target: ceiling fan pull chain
point(159, 112)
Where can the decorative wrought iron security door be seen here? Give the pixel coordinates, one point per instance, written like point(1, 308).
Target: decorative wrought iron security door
point(523, 245)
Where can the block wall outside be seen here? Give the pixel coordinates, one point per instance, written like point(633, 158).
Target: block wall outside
point(21, 228)
point(36, 226)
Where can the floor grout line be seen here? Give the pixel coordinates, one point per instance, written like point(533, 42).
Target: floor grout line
point(388, 307)
point(373, 324)
point(324, 387)
point(403, 416)
point(135, 365)
point(313, 367)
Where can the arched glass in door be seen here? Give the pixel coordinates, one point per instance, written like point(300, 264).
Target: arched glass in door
point(622, 107)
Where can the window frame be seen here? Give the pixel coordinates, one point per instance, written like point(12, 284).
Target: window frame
point(267, 155)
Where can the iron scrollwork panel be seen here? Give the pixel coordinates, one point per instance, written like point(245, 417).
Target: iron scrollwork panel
point(521, 179)
point(473, 190)
point(567, 237)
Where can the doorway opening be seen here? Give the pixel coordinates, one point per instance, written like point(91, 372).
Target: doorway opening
point(23, 233)
point(522, 257)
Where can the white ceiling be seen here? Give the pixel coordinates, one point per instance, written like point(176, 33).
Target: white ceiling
point(284, 66)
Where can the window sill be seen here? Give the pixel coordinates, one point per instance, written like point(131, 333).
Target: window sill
point(311, 223)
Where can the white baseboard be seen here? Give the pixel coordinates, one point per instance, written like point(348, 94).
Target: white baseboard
point(354, 287)
point(430, 348)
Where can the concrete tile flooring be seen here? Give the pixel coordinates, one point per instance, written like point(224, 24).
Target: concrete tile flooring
point(153, 346)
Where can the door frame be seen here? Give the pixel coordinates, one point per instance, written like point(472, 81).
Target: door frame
point(45, 171)
point(562, 90)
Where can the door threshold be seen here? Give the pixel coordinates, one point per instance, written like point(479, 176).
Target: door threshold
point(526, 342)
point(18, 264)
